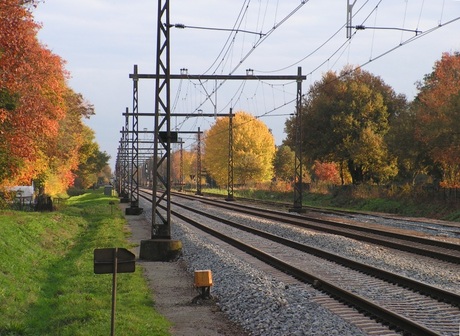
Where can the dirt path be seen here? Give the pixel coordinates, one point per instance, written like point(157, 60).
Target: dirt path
point(173, 291)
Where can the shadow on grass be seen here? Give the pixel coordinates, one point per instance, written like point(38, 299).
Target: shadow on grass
point(71, 299)
point(75, 301)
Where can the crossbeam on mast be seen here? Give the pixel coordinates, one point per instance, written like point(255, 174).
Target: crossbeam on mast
point(219, 77)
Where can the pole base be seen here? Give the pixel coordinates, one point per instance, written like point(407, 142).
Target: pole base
point(298, 210)
point(133, 211)
point(160, 249)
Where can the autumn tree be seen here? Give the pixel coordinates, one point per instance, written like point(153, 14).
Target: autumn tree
point(253, 150)
point(188, 165)
point(91, 161)
point(42, 136)
point(63, 153)
point(345, 120)
point(326, 172)
point(32, 86)
point(437, 110)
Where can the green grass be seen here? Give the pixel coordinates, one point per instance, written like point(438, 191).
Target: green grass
point(47, 283)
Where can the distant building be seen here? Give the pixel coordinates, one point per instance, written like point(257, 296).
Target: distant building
point(24, 192)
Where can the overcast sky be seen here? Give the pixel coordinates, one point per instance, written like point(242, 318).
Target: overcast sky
point(101, 40)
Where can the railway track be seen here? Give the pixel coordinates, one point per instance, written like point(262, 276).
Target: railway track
point(404, 240)
point(426, 225)
point(407, 305)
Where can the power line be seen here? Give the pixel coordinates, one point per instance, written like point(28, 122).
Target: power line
point(182, 26)
point(362, 27)
point(319, 47)
point(416, 37)
point(263, 37)
point(418, 34)
point(260, 41)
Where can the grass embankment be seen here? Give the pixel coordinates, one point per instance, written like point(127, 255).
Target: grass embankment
point(47, 284)
point(409, 205)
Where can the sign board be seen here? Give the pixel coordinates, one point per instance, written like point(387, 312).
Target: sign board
point(104, 260)
point(164, 136)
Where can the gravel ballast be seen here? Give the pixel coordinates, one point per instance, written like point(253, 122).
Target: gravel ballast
point(263, 305)
point(254, 300)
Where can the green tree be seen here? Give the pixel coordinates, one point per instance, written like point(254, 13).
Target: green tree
point(412, 154)
point(253, 150)
point(105, 175)
point(345, 119)
point(8, 101)
point(91, 161)
point(283, 163)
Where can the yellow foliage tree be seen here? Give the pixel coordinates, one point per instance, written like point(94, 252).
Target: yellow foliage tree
point(253, 150)
point(189, 166)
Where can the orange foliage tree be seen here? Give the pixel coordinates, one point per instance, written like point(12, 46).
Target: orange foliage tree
point(36, 79)
point(41, 128)
point(437, 107)
point(326, 172)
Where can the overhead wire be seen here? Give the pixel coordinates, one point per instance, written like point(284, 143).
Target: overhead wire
point(176, 99)
point(420, 15)
point(401, 44)
point(182, 26)
point(426, 32)
point(268, 33)
point(346, 41)
point(404, 20)
point(243, 9)
point(373, 33)
point(226, 49)
point(255, 45)
point(228, 46)
point(260, 41)
point(412, 39)
point(442, 10)
point(339, 30)
point(238, 24)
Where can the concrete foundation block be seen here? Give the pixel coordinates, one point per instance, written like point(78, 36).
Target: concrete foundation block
point(160, 249)
point(133, 211)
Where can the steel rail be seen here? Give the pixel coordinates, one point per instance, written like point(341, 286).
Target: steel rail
point(334, 228)
point(397, 321)
point(417, 286)
point(415, 239)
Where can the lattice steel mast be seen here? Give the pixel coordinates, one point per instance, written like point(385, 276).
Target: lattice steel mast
point(230, 158)
point(298, 147)
point(161, 223)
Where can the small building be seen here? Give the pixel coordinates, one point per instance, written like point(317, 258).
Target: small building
point(24, 196)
